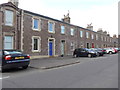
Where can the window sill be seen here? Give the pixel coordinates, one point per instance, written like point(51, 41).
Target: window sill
point(37, 30)
point(35, 51)
point(62, 33)
point(8, 25)
point(51, 32)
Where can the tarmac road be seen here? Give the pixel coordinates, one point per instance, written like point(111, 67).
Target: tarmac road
point(100, 72)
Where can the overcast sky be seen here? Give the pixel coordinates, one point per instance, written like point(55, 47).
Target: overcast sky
point(101, 13)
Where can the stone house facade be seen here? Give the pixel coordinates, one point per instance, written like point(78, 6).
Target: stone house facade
point(40, 35)
point(0, 30)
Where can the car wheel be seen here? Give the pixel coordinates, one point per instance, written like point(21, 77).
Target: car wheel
point(89, 55)
point(25, 67)
point(75, 55)
point(2, 70)
point(98, 54)
point(110, 52)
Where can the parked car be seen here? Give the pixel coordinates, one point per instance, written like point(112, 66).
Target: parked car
point(118, 49)
point(103, 50)
point(100, 52)
point(84, 52)
point(110, 50)
point(13, 59)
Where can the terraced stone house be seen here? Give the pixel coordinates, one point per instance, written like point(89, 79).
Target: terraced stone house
point(39, 35)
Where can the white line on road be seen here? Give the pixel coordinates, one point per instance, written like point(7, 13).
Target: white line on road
point(4, 77)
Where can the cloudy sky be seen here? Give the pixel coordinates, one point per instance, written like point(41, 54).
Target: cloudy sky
point(101, 13)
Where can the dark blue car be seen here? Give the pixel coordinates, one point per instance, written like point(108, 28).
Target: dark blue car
point(13, 59)
point(84, 52)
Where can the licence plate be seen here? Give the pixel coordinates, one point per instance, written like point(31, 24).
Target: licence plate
point(19, 57)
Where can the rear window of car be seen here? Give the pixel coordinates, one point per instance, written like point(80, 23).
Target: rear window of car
point(12, 52)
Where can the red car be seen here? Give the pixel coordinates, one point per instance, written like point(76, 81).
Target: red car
point(115, 50)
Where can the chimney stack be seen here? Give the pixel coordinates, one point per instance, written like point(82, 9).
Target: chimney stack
point(66, 18)
point(90, 27)
point(15, 2)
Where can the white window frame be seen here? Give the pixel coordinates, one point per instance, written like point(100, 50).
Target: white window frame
point(62, 29)
point(53, 26)
point(96, 36)
point(101, 38)
point(72, 45)
point(92, 36)
point(87, 34)
point(9, 23)
point(39, 24)
point(39, 44)
point(7, 42)
point(81, 34)
point(106, 39)
point(72, 32)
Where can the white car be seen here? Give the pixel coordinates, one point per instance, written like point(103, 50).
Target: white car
point(110, 50)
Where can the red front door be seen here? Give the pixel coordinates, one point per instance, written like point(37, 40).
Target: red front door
point(92, 45)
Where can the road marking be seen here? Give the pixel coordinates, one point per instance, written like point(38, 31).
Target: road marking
point(100, 57)
point(4, 77)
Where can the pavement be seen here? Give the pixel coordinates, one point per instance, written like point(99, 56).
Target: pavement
point(53, 62)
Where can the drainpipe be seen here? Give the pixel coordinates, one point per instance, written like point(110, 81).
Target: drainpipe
point(21, 29)
point(2, 30)
point(18, 30)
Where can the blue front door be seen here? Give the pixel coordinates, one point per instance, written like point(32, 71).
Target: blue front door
point(50, 48)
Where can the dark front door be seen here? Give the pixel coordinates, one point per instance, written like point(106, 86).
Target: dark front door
point(63, 47)
point(87, 45)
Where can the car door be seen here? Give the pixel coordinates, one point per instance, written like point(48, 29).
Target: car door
point(78, 52)
point(83, 52)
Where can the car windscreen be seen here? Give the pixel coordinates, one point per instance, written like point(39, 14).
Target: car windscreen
point(12, 52)
point(89, 50)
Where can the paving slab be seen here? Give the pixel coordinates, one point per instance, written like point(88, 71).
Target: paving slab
point(48, 63)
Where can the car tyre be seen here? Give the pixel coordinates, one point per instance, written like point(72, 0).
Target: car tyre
point(25, 67)
point(110, 52)
point(89, 55)
point(2, 70)
point(98, 54)
point(75, 55)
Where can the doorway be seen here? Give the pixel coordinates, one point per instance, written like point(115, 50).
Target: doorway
point(88, 45)
point(62, 47)
point(51, 47)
